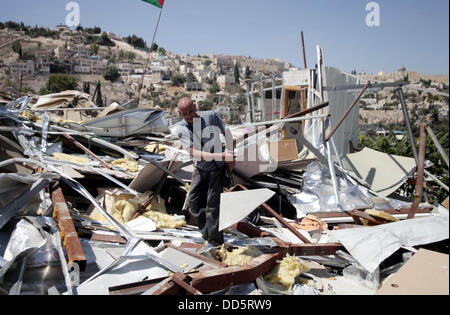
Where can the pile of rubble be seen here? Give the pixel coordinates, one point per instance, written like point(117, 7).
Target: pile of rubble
point(94, 201)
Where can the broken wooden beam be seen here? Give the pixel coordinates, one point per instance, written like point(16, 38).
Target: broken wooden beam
point(68, 234)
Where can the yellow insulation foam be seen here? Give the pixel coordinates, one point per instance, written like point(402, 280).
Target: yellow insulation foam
point(238, 256)
point(287, 271)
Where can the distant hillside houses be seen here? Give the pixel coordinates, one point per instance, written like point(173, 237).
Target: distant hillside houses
point(412, 76)
point(272, 65)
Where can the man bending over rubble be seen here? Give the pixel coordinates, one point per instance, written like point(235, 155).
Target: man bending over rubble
point(199, 133)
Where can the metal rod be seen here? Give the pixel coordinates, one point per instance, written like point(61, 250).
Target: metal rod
point(274, 98)
point(437, 144)
point(149, 54)
point(290, 120)
point(304, 53)
point(347, 111)
point(132, 191)
point(420, 172)
point(436, 180)
point(360, 86)
point(280, 219)
point(308, 110)
point(408, 125)
point(333, 176)
point(66, 109)
point(82, 147)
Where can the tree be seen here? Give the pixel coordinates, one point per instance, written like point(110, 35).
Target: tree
point(178, 80)
point(94, 49)
point(17, 48)
point(111, 73)
point(190, 78)
point(205, 105)
point(236, 74)
point(154, 47)
point(105, 40)
point(214, 88)
point(161, 51)
point(129, 55)
point(86, 87)
point(98, 99)
point(247, 72)
point(61, 82)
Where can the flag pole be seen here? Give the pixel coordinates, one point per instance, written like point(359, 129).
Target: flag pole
point(148, 58)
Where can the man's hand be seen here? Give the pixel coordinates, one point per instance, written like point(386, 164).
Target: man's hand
point(229, 159)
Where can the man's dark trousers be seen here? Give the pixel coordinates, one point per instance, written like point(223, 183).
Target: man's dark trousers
point(206, 188)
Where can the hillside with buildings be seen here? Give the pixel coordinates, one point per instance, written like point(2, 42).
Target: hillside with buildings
point(30, 56)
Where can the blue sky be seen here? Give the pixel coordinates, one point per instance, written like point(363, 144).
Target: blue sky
point(413, 33)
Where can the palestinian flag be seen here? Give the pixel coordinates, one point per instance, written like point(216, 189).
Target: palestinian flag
point(158, 3)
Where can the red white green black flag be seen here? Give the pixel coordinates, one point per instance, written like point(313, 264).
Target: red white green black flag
point(158, 3)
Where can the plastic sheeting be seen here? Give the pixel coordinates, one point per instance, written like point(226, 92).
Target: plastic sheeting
point(318, 193)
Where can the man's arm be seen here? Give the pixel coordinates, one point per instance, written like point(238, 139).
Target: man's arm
point(227, 157)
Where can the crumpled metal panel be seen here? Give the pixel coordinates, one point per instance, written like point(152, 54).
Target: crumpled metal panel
point(129, 122)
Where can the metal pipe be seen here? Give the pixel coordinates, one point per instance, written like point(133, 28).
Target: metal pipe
point(290, 120)
point(408, 124)
point(308, 111)
point(82, 147)
point(436, 180)
point(333, 176)
point(347, 111)
point(304, 53)
point(437, 144)
point(420, 172)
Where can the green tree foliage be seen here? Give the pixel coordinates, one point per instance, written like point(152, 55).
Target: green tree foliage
point(247, 72)
point(93, 31)
point(135, 41)
point(94, 49)
point(161, 51)
point(129, 55)
point(214, 88)
point(205, 105)
point(17, 48)
point(105, 40)
point(86, 87)
point(111, 73)
point(190, 78)
point(154, 47)
point(178, 80)
point(61, 82)
point(99, 99)
point(237, 74)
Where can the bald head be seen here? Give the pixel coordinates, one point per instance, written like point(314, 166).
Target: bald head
point(187, 109)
